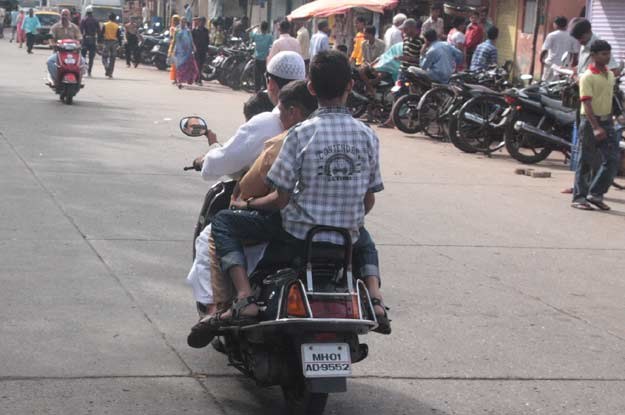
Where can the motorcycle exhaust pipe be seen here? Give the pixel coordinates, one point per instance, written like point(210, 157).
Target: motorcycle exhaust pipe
point(530, 129)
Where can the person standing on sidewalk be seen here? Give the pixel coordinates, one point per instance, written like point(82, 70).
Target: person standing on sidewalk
point(262, 44)
point(3, 15)
point(356, 56)
point(435, 21)
point(285, 42)
point(89, 27)
point(21, 35)
point(474, 35)
point(556, 44)
point(303, 37)
point(30, 26)
point(320, 41)
point(201, 41)
point(14, 15)
point(112, 36)
point(393, 34)
point(132, 43)
point(597, 134)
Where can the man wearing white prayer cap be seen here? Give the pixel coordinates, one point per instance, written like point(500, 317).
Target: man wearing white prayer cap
point(234, 157)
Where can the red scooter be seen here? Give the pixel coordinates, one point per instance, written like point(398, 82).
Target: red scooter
point(68, 75)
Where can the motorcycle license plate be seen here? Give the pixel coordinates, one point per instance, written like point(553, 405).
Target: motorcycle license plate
point(328, 360)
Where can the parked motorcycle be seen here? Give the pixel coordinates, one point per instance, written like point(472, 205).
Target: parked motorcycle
point(160, 53)
point(405, 115)
point(69, 71)
point(539, 124)
point(379, 105)
point(312, 312)
point(437, 108)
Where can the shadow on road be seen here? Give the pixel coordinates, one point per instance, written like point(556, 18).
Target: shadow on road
point(239, 395)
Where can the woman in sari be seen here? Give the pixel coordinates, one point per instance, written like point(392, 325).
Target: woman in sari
point(175, 21)
point(21, 34)
point(186, 67)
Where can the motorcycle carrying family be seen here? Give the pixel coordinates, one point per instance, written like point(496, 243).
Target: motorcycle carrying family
point(272, 274)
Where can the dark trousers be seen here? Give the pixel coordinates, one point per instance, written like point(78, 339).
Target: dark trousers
point(200, 59)
point(109, 54)
point(588, 181)
point(230, 227)
point(30, 42)
point(89, 47)
point(260, 67)
point(132, 49)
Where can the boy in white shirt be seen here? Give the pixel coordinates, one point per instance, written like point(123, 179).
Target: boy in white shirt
point(556, 44)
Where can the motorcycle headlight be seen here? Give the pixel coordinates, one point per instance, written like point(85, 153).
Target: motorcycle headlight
point(156, 48)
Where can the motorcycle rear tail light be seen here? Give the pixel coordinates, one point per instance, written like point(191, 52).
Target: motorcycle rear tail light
point(335, 307)
point(295, 302)
point(324, 337)
point(509, 99)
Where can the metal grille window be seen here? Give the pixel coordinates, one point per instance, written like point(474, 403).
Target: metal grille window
point(529, 19)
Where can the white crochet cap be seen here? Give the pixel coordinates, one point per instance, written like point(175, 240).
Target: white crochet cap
point(287, 65)
point(399, 18)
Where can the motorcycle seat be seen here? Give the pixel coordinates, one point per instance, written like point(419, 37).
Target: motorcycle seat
point(280, 253)
point(480, 89)
point(565, 118)
point(555, 104)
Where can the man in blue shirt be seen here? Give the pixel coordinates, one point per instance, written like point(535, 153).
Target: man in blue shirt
point(262, 45)
point(486, 53)
point(320, 40)
point(441, 58)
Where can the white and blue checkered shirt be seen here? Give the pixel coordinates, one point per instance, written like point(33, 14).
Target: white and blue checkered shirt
point(327, 163)
point(484, 56)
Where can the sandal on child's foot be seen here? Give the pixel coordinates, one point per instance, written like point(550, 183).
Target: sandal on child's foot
point(384, 323)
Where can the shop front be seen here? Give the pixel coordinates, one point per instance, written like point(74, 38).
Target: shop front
point(608, 22)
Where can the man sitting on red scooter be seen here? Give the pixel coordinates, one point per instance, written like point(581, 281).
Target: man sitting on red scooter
point(62, 30)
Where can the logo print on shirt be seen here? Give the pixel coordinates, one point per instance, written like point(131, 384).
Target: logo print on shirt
point(338, 163)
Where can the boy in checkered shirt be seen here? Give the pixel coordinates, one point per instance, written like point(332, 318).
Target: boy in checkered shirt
point(326, 174)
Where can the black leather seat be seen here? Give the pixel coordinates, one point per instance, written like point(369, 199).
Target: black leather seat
point(555, 104)
point(564, 118)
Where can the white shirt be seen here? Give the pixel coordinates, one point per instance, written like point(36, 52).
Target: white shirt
point(303, 37)
point(392, 36)
point(285, 42)
point(240, 151)
point(557, 43)
point(319, 43)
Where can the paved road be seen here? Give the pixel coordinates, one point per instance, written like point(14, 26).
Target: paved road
point(504, 299)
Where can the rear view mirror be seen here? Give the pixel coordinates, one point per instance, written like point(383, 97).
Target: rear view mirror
point(193, 126)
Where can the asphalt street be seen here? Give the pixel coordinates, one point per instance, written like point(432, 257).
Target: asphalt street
point(504, 299)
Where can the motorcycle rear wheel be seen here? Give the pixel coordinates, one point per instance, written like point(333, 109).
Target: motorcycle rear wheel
point(523, 147)
point(248, 83)
point(405, 114)
point(474, 130)
point(300, 401)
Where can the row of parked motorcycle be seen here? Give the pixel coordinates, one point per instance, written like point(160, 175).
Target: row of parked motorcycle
point(231, 64)
point(482, 112)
